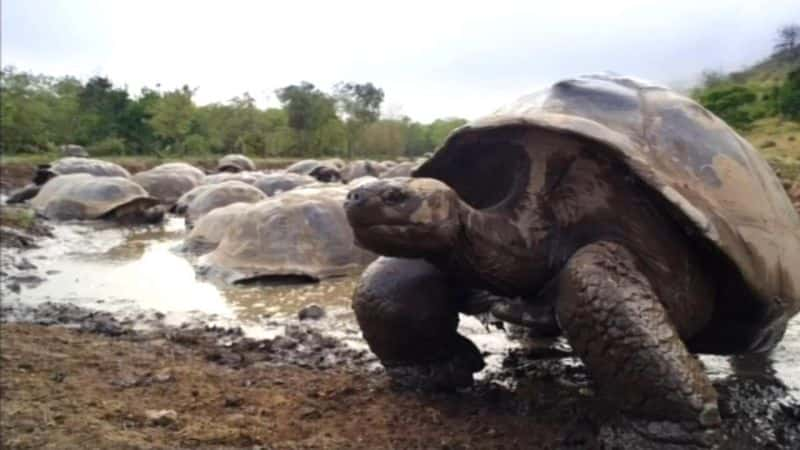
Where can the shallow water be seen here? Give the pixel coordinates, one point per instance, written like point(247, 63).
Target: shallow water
point(100, 266)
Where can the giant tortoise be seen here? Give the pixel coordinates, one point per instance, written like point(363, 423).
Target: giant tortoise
point(235, 162)
point(327, 171)
point(276, 182)
point(649, 228)
point(219, 195)
point(82, 196)
point(63, 166)
point(301, 233)
point(168, 182)
point(209, 229)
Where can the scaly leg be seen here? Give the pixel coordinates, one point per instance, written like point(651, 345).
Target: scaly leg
point(408, 314)
point(615, 322)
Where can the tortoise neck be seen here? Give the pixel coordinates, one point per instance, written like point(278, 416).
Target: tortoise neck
point(491, 252)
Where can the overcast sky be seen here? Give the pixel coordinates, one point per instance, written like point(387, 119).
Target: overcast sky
point(432, 58)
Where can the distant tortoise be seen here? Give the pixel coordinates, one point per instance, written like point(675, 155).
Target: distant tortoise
point(183, 201)
point(167, 184)
point(45, 172)
point(73, 150)
point(276, 182)
point(327, 171)
point(83, 196)
point(249, 177)
point(219, 195)
point(361, 168)
point(210, 228)
point(302, 233)
point(182, 167)
point(235, 163)
point(95, 167)
point(403, 169)
point(649, 227)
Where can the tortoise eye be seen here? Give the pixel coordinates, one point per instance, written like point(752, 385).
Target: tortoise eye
point(394, 196)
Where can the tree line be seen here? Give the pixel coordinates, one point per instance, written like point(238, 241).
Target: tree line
point(41, 112)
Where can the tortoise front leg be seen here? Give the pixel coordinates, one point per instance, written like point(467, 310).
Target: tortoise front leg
point(408, 313)
point(615, 322)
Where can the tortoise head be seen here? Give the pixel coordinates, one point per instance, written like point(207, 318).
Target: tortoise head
point(404, 217)
point(43, 174)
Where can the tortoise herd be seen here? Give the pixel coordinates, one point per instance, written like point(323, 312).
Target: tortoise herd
point(605, 209)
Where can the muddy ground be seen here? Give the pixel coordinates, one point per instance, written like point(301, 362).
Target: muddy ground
point(75, 378)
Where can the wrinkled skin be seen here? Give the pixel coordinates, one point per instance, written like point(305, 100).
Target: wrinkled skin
point(27, 192)
point(413, 296)
point(138, 212)
point(624, 282)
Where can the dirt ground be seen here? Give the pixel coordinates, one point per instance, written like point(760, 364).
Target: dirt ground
point(64, 389)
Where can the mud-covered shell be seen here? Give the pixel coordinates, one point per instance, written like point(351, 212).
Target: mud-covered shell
point(182, 167)
point(219, 195)
point(248, 177)
point(235, 162)
point(403, 169)
point(209, 229)
point(91, 166)
point(166, 185)
point(361, 168)
point(82, 196)
point(274, 183)
point(720, 186)
point(298, 233)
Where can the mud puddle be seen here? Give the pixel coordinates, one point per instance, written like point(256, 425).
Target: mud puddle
point(99, 266)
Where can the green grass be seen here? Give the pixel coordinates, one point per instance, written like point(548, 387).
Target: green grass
point(16, 217)
point(779, 141)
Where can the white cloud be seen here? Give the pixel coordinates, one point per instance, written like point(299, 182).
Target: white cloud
point(432, 58)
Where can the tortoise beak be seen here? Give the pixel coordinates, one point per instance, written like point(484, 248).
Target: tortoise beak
point(356, 205)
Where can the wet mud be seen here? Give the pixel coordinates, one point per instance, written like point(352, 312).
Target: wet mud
point(111, 339)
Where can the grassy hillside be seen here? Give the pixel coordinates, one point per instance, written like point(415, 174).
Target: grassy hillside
point(763, 103)
point(779, 141)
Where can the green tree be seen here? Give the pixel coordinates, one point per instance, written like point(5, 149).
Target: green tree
point(789, 96)
point(172, 117)
point(308, 110)
point(361, 105)
point(102, 107)
point(731, 103)
point(23, 111)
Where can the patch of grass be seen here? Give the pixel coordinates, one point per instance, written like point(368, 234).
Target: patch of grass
point(779, 141)
point(19, 218)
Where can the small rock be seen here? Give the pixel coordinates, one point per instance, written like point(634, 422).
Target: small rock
point(52, 272)
point(58, 377)
point(162, 418)
point(233, 402)
point(310, 413)
point(14, 287)
point(313, 312)
point(25, 265)
point(163, 376)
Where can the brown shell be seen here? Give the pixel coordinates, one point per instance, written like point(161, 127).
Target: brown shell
point(716, 180)
point(303, 232)
point(81, 196)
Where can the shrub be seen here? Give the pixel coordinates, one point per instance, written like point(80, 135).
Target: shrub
point(107, 147)
point(730, 103)
point(789, 96)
